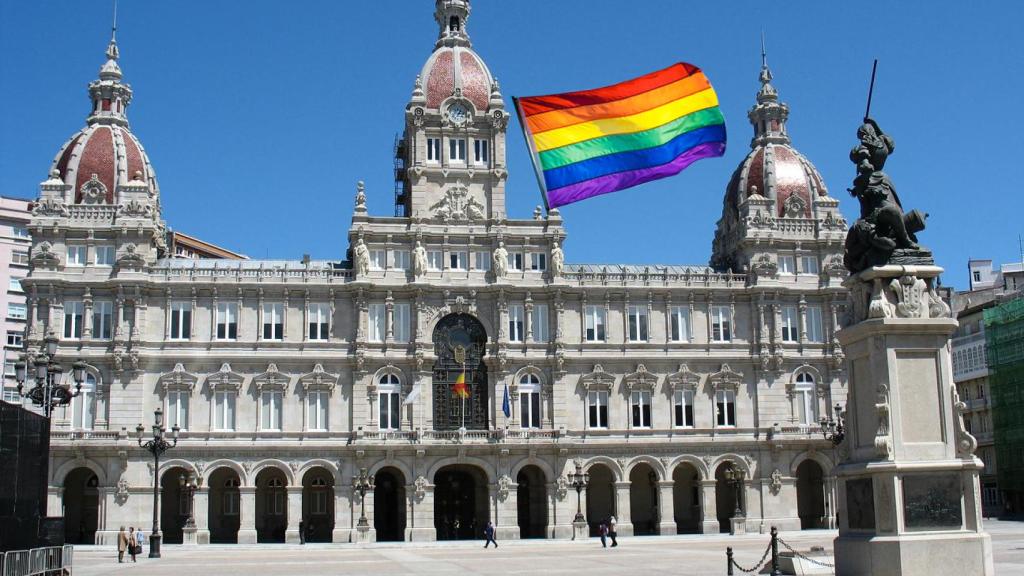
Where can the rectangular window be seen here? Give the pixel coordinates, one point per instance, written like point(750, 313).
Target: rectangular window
point(481, 152)
point(316, 410)
point(227, 320)
point(83, 406)
point(224, 410)
point(403, 322)
point(73, 319)
point(680, 320)
point(433, 150)
point(809, 264)
point(597, 409)
point(273, 321)
point(14, 284)
point(15, 339)
point(721, 324)
point(177, 409)
point(815, 330)
point(181, 320)
point(230, 499)
point(595, 320)
point(515, 323)
point(725, 408)
point(787, 265)
point(319, 321)
point(19, 231)
point(102, 319)
point(16, 311)
point(637, 323)
point(515, 260)
point(378, 259)
point(682, 408)
point(104, 256)
point(457, 149)
point(482, 261)
point(806, 409)
point(529, 408)
point(401, 258)
point(390, 409)
point(458, 260)
point(538, 261)
point(640, 408)
point(790, 324)
point(435, 260)
point(376, 314)
point(270, 410)
point(539, 323)
point(19, 257)
point(76, 256)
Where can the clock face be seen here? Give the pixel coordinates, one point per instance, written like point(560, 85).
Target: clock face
point(457, 113)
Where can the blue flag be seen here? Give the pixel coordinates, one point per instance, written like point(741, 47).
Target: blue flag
point(506, 403)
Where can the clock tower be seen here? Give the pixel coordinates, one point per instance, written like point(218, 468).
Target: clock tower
point(450, 161)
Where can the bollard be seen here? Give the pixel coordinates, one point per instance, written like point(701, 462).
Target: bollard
point(775, 552)
point(728, 560)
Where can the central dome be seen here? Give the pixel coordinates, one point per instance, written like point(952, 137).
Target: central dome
point(454, 68)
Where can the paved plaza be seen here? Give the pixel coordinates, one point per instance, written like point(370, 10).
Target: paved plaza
point(693, 555)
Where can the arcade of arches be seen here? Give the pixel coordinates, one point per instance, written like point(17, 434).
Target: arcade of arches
point(271, 504)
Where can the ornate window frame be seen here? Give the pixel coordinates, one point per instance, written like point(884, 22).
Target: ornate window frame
point(177, 380)
point(725, 379)
point(642, 379)
point(820, 387)
point(598, 379)
point(683, 380)
point(544, 388)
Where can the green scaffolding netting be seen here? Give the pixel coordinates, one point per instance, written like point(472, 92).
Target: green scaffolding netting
point(1004, 340)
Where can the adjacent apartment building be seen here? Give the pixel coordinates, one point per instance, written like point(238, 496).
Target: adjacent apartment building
point(14, 249)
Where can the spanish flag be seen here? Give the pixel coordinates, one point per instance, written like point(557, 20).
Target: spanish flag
point(459, 388)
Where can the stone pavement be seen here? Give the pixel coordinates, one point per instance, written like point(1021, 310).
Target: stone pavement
point(689, 554)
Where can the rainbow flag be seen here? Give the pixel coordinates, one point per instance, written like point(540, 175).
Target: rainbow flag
point(459, 388)
point(593, 142)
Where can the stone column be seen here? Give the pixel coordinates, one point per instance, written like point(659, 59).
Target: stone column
point(365, 533)
point(624, 520)
point(560, 513)
point(506, 512)
point(291, 532)
point(247, 515)
point(342, 515)
point(201, 512)
point(709, 507)
point(420, 524)
point(666, 508)
point(908, 483)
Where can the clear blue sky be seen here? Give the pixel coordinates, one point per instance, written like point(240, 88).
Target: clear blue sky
point(260, 116)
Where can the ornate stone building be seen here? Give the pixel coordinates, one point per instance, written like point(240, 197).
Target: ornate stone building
point(288, 378)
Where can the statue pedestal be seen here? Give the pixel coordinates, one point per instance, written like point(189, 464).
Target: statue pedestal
point(737, 525)
point(364, 534)
point(909, 497)
point(580, 531)
point(189, 536)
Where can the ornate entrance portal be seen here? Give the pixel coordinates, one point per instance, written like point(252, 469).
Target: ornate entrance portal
point(460, 343)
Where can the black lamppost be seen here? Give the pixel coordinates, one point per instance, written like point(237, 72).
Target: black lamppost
point(188, 483)
point(735, 476)
point(362, 484)
point(578, 480)
point(48, 392)
point(156, 446)
point(832, 429)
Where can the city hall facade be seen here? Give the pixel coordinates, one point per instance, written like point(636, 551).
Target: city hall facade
point(288, 378)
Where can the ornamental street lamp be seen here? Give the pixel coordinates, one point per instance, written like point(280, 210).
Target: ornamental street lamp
point(832, 429)
point(156, 446)
point(187, 482)
point(735, 476)
point(578, 480)
point(48, 392)
point(362, 484)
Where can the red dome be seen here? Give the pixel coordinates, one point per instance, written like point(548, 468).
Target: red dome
point(111, 152)
point(777, 171)
point(456, 67)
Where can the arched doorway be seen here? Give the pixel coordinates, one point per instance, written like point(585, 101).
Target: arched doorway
point(810, 495)
point(686, 499)
point(318, 505)
point(643, 500)
point(389, 505)
point(461, 503)
point(81, 506)
point(173, 505)
point(725, 496)
point(223, 506)
point(460, 343)
point(271, 505)
point(532, 502)
point(600, 496)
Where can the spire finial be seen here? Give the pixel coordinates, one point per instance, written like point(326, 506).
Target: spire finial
point(766, 73)
point(112, 53)
point(764, 54)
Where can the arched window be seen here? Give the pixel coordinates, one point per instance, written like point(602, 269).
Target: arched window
point(275, 497)
point(229, 503)
point(529, 401)
point(389, 401)
point(320, 494)
point(453, 24)
point(83, 407)
point(804, 396)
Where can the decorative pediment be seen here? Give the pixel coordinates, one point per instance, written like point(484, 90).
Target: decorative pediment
point(130, 258)
point(764, 266)
point(225, 378)
point(178, 379)
point(272, 379)
point(684, 379)
point(134, 208)
point(641, 379)
point(43, 256)
point(50, 206)
point(726, 378)
point(598, 379)
point(794, 206)
point(93, 191)
point(458, 205)
point(318, 379)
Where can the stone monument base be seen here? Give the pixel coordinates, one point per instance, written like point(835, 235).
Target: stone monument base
point(737, 525)
point(912, 555)
point(364, 534)
point(580, 530)
point(189, 536)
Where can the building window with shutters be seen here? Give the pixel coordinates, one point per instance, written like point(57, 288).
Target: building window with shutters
point(319, 321)
point(529, 401)
point(680, 323)
point(595, 321)
point(725, 408)
point(273, 321)
point(721, 324)
point(403, 322)
point(805, 399)
point(73, 319)
point(376, 315)
point(790, 324)
point(815, 329)
point(316, 410)
point(227, 321)
point(637, 323)
point(515, 323)
point(389, 402)
point(539, 323)
point(597, 409)
point(640, 408)
point(682, 408)
point(224, 410)
point(177, 408)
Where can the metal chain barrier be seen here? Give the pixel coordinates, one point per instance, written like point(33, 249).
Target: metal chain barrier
point(757, 567)
point(801, 556)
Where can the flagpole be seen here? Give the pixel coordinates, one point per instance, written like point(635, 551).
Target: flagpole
point(463, 395)
point(533, 154)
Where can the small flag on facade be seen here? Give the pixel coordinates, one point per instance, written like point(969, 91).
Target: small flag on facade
point(459, 388)
point(411, 398)
point(588, 143)
point(506, 403)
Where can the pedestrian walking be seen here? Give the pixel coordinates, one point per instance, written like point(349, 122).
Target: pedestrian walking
point(122, 544)
point(302, 532)
point(133, 548)
point(602, 530)
point(489, 533)
point(138, 540)
point(611, 531)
